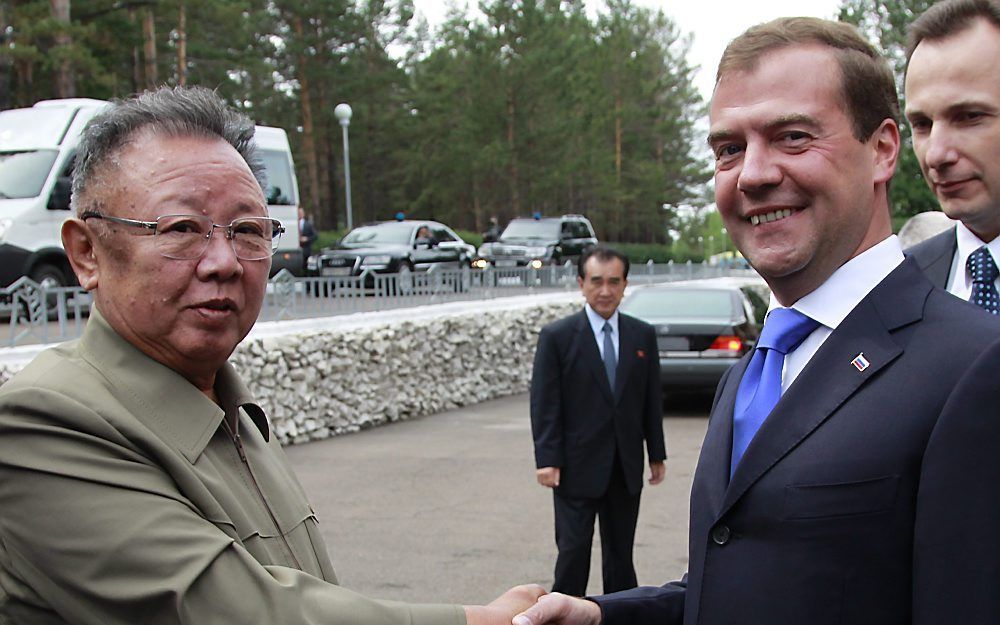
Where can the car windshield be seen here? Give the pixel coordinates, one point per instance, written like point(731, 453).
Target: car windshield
point(395, 233)
point(531, 229)
point(658, 303)
point(22, 174)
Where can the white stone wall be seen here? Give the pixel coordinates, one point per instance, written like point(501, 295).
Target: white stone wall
point(322, 383)
point(326, 377)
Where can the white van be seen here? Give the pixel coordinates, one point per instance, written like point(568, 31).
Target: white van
point(37, 149)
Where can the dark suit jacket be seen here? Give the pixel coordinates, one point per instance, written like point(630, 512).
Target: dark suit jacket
point(934, 256)
point(867, 497)
point(309, 232)
point(577, 419)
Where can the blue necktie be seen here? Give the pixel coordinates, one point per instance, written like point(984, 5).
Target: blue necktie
point(610, 362)
point(760, 388)
point(983, 270)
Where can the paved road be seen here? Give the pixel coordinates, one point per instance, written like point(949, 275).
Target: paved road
point(446, 508)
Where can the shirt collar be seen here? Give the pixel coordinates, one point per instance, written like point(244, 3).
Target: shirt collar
point(161, 398)
point(968, 243)
point(833, 300)
point(597, 321)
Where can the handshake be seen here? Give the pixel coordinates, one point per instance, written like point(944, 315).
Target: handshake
point(531, 605)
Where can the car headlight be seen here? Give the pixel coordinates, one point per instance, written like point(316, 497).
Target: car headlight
point(382, 259)
point(5, 225)
point(537, 251)
point(312, 263)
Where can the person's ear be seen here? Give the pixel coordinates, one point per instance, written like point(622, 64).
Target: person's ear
point(79, 241)
point(886, 142)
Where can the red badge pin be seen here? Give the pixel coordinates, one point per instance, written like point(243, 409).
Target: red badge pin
point(640, 353)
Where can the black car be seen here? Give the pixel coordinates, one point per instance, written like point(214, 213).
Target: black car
point(702, 327)
point(401, 247)
point(537, 241)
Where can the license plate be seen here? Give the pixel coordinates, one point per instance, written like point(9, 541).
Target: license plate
point(505, 263)
point(673, 343)
point(336, 271)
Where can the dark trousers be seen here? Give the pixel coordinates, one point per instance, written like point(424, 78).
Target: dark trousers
point(618, 512)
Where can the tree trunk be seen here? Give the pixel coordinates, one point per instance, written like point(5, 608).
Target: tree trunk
point(65, 83)
point(6, 101)
point(137, 81)
point(515, 198)
point(181, 44)
point(324, 211)
point(308, 132)
point(149, 47)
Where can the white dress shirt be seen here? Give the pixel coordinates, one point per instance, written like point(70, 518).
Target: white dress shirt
point(597, 325)
point(960, 282)
point(833, 300)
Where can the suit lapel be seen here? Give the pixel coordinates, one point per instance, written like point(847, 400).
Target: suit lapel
point(937, 256)
point(830, 378)
point(713, 464)
point(591, 355)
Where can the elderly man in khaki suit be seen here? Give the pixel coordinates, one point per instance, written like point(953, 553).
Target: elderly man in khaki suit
point(139, 481)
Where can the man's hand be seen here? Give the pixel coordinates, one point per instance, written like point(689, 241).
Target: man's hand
point(548, 476)
point(656, 472)
point(501, 610)
point(560, 609)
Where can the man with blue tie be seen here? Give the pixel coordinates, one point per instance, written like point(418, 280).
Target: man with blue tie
point(850, 466)
point(595, 397)
point(953, 105)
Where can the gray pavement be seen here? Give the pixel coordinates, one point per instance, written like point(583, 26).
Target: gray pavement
point(445, 508)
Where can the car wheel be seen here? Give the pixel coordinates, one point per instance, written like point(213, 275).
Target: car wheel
point(49, 276)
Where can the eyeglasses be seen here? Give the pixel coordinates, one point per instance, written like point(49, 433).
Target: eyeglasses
point(186, 237)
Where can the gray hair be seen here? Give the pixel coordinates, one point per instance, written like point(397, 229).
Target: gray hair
point(170, 111)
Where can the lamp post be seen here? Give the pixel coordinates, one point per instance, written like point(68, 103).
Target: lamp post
point(343, 114)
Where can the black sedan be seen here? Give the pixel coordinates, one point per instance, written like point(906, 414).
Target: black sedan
point(702, 328)
point(398, 247)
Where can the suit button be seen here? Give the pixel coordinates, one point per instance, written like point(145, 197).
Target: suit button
point(721, 535)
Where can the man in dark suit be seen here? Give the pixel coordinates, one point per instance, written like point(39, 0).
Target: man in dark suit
point(953, 104)
point(595, 397)
point(849, 470)
point(307, 235)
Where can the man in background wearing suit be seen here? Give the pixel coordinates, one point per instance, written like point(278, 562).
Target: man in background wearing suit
point(307, 235)
point(595, 397)
point(850, 466)
point(953, 105)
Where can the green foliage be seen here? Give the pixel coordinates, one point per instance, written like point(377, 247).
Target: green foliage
point(328, 238)
point(472, 238)
point(885, 22)
point(531, 105)
point(639, 253)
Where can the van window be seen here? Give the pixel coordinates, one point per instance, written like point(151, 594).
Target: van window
point(22, 174)
point(279, 178)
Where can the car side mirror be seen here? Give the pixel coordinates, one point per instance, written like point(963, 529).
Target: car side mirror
point(59, 198)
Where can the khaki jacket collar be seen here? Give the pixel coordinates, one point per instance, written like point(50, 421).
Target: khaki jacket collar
point(161, 398)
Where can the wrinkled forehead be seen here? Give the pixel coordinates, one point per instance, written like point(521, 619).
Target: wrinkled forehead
point(159, 174)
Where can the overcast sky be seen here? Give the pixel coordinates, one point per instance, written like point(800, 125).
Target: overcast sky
point(713, 22)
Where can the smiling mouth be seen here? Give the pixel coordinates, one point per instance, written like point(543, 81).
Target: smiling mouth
point(766, 218)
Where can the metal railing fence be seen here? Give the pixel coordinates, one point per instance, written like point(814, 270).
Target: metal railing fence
point(35, 314)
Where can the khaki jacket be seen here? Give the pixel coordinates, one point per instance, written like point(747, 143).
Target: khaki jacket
point(126, 499)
